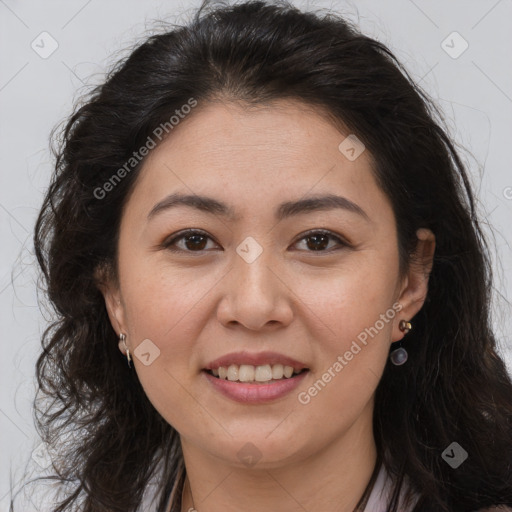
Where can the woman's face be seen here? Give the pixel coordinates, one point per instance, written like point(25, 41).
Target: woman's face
point(252, 286)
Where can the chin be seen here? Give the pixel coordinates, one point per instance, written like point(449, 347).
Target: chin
point(255, 448)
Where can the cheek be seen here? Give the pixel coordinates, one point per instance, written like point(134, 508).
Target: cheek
point(351, 363)
point(160, 299)
point(166, 307)
point(352, 316)
point(166, 319)
point(348, 301)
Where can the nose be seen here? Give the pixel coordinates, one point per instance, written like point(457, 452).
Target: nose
point(256, 295)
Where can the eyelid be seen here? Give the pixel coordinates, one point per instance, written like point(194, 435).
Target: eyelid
point(196, 231)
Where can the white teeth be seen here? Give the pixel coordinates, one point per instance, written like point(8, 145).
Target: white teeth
point(246, 373)
point(233, 372)
point(277, 371)
point(263, 373)
point(288, 371)
point(250, 373)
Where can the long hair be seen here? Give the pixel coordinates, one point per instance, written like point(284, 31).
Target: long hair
point(91, 408)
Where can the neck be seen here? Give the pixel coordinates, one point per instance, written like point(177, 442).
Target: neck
point(333, 479)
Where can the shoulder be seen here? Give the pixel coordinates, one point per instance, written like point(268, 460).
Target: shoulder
point(40, 494)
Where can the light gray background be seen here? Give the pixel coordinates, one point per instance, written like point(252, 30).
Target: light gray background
point(474, 90)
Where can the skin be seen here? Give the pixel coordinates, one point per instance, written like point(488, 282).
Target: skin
point(310, 305)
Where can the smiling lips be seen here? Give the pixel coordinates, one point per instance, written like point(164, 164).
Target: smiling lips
point(251, 373)
point(255, 378)
point(260, 367)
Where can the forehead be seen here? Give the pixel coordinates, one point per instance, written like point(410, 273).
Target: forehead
point(243, 154)
point(288, 128)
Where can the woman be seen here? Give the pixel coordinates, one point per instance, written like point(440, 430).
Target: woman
point(272, 288)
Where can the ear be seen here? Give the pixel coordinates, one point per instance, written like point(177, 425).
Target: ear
point(109, 287)
point(414, 289)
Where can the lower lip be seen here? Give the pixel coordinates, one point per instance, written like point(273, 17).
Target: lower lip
point(255, 393)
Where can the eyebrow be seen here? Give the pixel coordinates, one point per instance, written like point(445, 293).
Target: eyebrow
point(285, 210)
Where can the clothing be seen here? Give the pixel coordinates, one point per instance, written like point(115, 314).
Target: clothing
point(41, 496)
point(377, 502)
point(379, 497)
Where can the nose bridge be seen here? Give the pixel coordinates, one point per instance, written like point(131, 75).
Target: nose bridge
point(255, 295)
point(252, 266)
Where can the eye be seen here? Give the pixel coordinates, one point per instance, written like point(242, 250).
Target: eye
point(319, 240)
point(195, 240)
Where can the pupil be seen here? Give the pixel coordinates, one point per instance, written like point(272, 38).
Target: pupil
point(317, 245)
point(195, 243)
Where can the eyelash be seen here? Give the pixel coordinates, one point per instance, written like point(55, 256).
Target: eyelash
point(190, 232)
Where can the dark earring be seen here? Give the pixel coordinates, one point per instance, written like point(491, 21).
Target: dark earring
point(399, 356)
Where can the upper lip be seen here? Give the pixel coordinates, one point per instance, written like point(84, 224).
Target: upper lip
point(255, 359)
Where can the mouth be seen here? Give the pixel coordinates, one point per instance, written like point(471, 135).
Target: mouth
point(252, 385)
point(255, 378)
point(261, 374)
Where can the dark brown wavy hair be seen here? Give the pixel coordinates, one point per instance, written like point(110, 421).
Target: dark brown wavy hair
point(91, 408)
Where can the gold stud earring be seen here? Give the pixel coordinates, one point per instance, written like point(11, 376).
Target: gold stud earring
point(405, 326)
